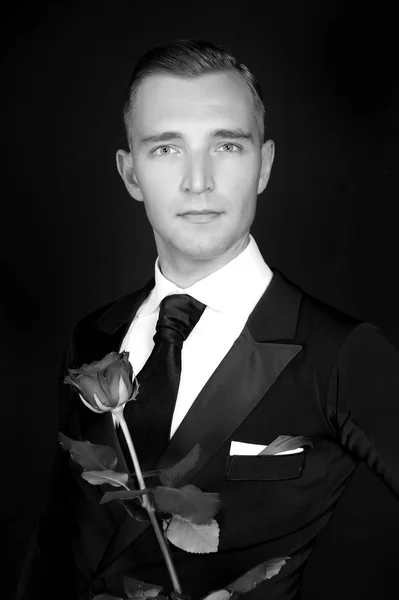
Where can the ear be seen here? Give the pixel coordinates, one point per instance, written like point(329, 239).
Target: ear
point(124, 164)
point(267, 162)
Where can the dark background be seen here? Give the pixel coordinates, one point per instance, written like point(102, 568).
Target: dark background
point(73, 239)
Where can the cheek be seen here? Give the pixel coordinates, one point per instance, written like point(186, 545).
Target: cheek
point(159, 205)
point(154, 208)
point(241, 175)
point(159, 182)
point(241, 191)
point(156, 188)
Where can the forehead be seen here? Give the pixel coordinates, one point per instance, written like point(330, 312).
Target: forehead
point(165, 99)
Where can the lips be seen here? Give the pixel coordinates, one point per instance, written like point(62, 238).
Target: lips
point(199, 212)
point(203, 216)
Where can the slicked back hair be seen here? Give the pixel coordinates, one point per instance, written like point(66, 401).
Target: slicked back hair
point(190, 58)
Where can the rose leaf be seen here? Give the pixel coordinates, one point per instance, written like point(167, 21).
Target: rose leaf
point(169, 477)
point(198, 539)
point(120, 494)
point(255, 576)
point(139, 590)
point(135, 510)
point(99, 477)
point(188, 502)
point(92, 457)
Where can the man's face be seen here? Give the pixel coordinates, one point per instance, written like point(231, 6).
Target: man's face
point(199, 184)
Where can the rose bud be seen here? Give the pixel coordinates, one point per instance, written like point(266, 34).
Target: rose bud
point(106, 384)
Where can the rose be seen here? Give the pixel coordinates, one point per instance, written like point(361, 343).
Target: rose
point(106, 384)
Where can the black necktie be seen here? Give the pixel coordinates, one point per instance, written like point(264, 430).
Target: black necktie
point(149, 417)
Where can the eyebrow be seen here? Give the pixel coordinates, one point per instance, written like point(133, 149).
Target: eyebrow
point(169, 136)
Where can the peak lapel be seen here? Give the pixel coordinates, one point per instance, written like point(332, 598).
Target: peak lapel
point(93, 342)
point(263, 350)
point(121, 313)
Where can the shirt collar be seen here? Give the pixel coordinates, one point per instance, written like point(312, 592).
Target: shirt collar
point(228, 288)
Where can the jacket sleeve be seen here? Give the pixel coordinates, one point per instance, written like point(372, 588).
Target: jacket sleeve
point(364, 401)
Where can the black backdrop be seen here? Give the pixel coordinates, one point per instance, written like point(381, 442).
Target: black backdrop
point(72, 238)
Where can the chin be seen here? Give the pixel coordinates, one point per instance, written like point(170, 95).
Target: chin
point(204, 249)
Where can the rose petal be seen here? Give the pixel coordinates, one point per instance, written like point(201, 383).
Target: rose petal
point(112, 384)
point(89, 405)
point(71, 380)
point(123, 391)
point(88, 385)
point(100, 365)
point(105, 384)
point(99, 404)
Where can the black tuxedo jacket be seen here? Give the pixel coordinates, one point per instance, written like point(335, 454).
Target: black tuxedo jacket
point(299, 367)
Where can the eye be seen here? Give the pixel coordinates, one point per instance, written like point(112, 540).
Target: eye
point(230, 145)
point(162, 148)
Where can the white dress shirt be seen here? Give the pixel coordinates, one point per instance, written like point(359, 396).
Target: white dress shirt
point(230, 294)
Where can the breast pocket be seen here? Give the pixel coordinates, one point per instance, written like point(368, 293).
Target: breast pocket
point(265, 468)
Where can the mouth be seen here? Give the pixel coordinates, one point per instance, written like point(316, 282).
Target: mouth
point(200, 216)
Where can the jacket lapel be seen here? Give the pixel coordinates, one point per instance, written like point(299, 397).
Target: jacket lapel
point(107, 336)
point(243, 377)
point(92, 343)
point(265, 347)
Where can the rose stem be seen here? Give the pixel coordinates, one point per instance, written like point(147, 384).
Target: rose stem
point(147, 504)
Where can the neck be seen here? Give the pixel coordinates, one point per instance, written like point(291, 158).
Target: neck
point(184, 271)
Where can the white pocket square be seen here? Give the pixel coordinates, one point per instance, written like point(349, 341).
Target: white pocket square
point(245, 449)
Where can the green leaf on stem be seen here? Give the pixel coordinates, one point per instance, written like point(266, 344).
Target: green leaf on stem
point(92, 457)
point(198, 539)
point(139, 590)
point(112, 477)
point(188, 502)
point(286, 442)
point(255, 576)
point(122, 494)
point(169, 477)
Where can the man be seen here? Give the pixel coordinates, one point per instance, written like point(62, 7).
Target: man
point(264, 359)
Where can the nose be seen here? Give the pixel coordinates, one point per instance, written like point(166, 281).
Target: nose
point(198, 176)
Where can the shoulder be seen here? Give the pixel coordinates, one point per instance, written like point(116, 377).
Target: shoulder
point(315, 317)
point(346, 338)
point(323, 319)
point(328, 333)
point(118, 309)
point(91, 319)
point(97, 332)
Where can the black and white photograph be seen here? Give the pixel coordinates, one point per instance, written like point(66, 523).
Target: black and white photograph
point(199, 309)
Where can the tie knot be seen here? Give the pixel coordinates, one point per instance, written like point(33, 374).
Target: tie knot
point(178, 315)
